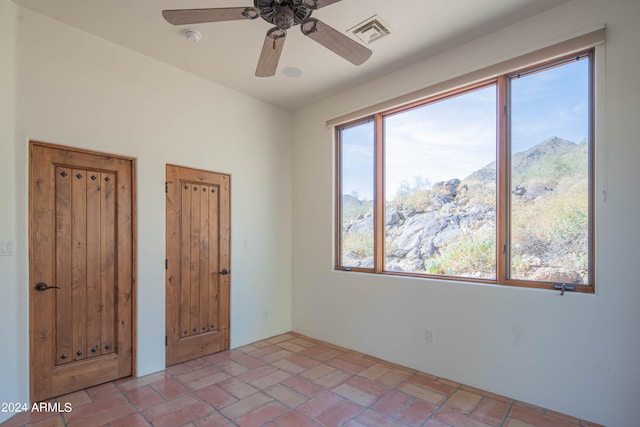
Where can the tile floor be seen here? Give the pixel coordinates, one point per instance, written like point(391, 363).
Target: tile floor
point(291, 381)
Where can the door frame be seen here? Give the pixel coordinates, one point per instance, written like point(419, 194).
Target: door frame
point(32, 240)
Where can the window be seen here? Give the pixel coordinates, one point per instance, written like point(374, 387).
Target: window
point(549, 173)
point(357, 187)
point(440, 219)
point(489, 183)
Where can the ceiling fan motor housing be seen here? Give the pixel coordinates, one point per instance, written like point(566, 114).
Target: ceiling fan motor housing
point(284, 14)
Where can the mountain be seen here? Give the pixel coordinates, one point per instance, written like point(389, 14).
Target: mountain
point(449, 228)
point(531, 158)
point(353, 207)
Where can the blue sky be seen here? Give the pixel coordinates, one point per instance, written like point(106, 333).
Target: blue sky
point(551, 103)
point(457, 136)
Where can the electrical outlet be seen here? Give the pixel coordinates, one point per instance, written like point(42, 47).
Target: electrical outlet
point(267, 314)
point(430, 336)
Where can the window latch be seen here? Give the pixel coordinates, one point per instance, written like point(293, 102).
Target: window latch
point(564, 287)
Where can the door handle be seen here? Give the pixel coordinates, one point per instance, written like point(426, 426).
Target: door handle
point(41, 286)
point(222, 272)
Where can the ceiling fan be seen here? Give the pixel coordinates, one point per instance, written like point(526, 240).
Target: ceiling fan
point(284, 14)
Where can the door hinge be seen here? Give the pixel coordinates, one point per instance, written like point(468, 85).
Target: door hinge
point(166, 340)
point(166, 187)
point(166, 263)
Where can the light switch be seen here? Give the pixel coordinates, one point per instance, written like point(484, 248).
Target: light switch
point(6, 247)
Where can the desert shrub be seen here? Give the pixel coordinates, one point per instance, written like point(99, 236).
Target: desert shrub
point(519, 265)
point(550, 231)
point(471, 256)
point(417, 200)
point(358, 245)
point(434, 266)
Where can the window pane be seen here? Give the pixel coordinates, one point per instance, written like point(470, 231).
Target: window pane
point(440, 187)
point(356, 195)
point(549, 202)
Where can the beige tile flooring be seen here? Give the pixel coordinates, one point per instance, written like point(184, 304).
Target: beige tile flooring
point(291, 381)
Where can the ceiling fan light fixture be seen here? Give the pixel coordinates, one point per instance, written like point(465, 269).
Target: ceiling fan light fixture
point(284, 18)
point(192, 36)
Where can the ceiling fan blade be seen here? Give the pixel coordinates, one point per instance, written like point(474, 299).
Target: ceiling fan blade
point(219, 14)
point(271, 50)
point(335, 41)
point(317, 4)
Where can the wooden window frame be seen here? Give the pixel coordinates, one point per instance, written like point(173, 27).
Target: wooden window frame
point(503, 119)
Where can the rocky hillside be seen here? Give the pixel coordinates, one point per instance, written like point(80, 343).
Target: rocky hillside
point(449, 228)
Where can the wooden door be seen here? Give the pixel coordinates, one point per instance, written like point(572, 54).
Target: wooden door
point(81, 269)
point(198, 263)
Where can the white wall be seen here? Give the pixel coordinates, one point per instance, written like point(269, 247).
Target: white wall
point(78, 90)
point(10, 336)
point(577, 354)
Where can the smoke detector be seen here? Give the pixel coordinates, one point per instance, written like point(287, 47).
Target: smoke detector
point(192, 35)
point(371, 29)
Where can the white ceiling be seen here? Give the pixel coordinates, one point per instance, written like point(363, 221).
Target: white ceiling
point(229, 51)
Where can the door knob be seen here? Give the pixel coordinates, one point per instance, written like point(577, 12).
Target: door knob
point(224, 272)
point(41, 286)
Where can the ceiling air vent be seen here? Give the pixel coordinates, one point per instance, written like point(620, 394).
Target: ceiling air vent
point(371, 30)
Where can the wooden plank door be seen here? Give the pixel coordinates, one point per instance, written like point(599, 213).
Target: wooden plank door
point(81, 268)
point(198, 263)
